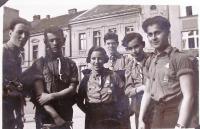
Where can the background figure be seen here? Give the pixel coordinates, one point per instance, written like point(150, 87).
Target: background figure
point(117, 63)
point(134, 73)
point(54, 79)
point(170, 79)
point(13, 99)
point(100, 92)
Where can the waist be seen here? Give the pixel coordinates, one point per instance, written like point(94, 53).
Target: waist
point(162, 101)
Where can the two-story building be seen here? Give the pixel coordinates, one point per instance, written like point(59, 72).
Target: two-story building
point(87, 28)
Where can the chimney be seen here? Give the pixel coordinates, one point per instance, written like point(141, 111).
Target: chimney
point(36, 17)
point(47, 16)
point(72, 11)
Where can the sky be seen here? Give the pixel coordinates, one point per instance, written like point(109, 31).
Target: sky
point(28, 8)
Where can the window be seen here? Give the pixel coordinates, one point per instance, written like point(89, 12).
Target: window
point(63, 50)
point(35, 52)
point(82, 67)
point(129, 29)
point(191, 43)
point(82, 41)
point(188, 10)
point(96, 38)
point(190, 39)
point(153, 7)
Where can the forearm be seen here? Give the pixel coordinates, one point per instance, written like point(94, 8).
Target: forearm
point(51, 111)
point(185, 110)
point(146, 99)
point(71, 90)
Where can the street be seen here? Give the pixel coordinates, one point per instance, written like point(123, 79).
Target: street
point(78, 118)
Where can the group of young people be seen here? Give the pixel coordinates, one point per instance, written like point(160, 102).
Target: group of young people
point(157, 87)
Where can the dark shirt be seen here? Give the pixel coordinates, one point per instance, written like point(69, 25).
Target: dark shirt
point(11, 64)
point(164, 72)
point(57, 75)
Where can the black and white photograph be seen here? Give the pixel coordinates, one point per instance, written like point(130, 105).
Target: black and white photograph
point(99, 64)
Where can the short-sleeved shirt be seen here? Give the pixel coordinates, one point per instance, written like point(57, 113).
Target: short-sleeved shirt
point(164, 72)
point(103, 88)
point(134, 75)
point(57, 75)
point(116, 62)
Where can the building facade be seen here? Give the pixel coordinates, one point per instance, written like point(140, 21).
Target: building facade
point(85, 29)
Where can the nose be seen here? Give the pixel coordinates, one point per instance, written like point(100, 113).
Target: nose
point(23, 35)
point(96, 61)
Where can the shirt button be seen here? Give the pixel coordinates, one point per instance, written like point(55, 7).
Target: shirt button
point(153, 79)
point(152, 95)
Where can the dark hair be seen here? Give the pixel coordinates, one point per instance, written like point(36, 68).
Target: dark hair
point(54, 30)
point(163, 23)
point(99, 49)
point(16, 21)
point(111, 35)
point(131, 36)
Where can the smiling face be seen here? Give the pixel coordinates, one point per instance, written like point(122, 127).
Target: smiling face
point(97, 60)
point(157, 37)
point(19, 35)
point(135, 48)
point(111, 46)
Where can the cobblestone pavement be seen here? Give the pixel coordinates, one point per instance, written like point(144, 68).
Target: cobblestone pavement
point(78, 118)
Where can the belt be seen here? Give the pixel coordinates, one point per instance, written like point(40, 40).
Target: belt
point(163, 102)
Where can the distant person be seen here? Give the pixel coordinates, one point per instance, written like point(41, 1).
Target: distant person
point(13, 98)
point(170, 79)
point(135, 70)
point(54, 78)
point(100, 92)
point(117, 63)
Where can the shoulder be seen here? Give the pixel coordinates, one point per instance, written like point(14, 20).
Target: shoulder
point(180, 57)
point(69, 61)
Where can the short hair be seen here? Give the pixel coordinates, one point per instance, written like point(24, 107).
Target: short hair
point(54, 30)
point(162, 22)
point(99, 49)
point(130, 36)
point(111, 35)
point(18, 20)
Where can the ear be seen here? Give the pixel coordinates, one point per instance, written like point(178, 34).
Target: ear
point(10, 33)
point(63, 42)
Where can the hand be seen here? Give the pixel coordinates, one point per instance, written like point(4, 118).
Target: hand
point(44, 98)
point(141, 124)
point(59, 121)
point(140, 88)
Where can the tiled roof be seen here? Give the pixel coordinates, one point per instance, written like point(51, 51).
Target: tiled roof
point(106, 10)
point(61, 21)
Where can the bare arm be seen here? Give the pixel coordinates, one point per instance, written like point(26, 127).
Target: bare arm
point(187, 88)
point(39, 90)
point(146, 99)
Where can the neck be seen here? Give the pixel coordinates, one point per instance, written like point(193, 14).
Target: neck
point(140, 57)
point(160, 50)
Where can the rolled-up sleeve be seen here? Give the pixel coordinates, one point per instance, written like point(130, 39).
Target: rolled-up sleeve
point(184, 65)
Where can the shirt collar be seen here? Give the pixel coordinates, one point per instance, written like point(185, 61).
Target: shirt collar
point(167, 51)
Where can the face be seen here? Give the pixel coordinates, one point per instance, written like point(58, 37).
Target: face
point(135, 48)
point(158, 37)
point(111, 46)
point(55, 42)
point(97, 60)
point(19, 35)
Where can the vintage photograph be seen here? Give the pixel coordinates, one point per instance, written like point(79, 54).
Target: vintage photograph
point(99, 65)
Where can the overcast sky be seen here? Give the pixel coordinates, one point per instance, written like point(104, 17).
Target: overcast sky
point(28, 8)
